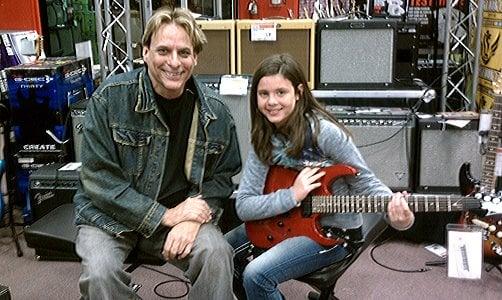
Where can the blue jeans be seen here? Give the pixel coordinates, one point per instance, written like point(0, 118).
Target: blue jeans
point(208, 266)
point(290, 259)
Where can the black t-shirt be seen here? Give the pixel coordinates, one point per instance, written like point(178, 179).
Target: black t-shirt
point(178, 115)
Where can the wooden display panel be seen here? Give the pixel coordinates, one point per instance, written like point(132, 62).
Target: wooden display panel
point(296, 37)
point(218, 56)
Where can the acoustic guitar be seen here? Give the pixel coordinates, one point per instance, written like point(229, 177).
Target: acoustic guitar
point(304, 220)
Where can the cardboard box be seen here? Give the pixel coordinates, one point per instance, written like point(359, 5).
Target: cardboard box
point(39, 97)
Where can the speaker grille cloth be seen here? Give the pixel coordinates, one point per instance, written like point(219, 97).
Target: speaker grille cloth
point(239, 108)
point(356, 56)
point(215, 57)
point(389, 160)
point(442, 152)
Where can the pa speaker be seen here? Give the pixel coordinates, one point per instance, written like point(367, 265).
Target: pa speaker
point(443, 150)
point(385, 138)
point(355, 53)
point(296, 37)
point(218, 56)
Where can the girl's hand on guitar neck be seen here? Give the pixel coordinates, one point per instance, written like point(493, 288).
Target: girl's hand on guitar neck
point(306, 181)
point(399, 214)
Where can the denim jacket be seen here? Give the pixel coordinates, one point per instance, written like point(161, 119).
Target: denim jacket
point(124, 149)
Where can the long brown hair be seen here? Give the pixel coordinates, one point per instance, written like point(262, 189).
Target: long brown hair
point(297, 125)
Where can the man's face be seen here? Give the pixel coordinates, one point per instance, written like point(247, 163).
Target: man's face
point(170, 59)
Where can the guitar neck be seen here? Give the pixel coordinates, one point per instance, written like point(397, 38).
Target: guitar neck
point(378, 204)
point(488, 176)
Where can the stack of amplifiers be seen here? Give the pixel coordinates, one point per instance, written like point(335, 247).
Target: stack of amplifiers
point(52, 185)
point(385, 138)
point(218, 56)
point(443, 150)
point(239, 108)
point(296, 37)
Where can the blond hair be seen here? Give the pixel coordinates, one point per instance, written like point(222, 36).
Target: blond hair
point(179, 16)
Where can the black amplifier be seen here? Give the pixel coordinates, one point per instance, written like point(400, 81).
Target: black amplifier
point(77, 112)
point(52, 185)
point(385, 138)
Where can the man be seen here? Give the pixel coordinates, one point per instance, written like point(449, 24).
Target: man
point(158, 154)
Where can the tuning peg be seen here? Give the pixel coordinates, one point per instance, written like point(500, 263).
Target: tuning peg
point(496, 200)
point(499, 234)
point(480, 223)
point(487, 198)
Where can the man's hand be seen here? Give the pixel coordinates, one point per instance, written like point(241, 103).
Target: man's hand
point(179, 241)
point(400, 215)
point(192, 209)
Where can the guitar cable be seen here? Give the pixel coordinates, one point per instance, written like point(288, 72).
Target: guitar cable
point(173, 279)
point(372, 255)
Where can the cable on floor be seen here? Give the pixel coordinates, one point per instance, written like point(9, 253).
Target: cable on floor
point(173, 279)
point(421, 270)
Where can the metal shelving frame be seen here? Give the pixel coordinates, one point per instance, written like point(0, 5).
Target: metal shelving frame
point(461, 55)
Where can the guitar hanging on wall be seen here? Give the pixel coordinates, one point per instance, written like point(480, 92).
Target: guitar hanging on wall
point(303, 220)
point(492, 225)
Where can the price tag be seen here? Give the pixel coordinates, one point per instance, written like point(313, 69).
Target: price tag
point(465, 251)
point(263, 32)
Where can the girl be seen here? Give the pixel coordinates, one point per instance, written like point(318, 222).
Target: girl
point(291, 129)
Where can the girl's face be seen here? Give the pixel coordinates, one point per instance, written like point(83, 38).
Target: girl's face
point(276, 98)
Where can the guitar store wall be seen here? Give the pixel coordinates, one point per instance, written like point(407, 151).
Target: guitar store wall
point(65, 23)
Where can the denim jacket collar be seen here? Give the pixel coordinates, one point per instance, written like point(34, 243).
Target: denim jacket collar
point(146, 99)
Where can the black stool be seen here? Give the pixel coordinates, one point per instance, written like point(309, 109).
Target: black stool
point(53, 238)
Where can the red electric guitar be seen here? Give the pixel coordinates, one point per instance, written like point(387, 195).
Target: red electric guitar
point(303, 221)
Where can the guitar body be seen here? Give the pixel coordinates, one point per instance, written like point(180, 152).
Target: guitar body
point(268, 232)
point(468, 184)
point(492, 245)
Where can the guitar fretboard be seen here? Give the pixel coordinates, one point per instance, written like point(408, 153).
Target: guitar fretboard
point(377, 204)
point(488, 176)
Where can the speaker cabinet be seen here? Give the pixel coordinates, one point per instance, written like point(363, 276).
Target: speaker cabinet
point(355, 53)
point(296, 37)
point(218, 56)
point(239, 108)
point(51, 186)
point(77, 112)
point(443, 150)
point(385, 138)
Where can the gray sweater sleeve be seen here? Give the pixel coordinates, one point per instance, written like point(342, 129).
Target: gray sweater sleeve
point(251, 204)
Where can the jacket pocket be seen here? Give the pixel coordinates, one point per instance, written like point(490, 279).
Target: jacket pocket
point(133, 149)
point(213, 152)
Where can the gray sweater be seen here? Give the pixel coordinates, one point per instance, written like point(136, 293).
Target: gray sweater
point(334, 147)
